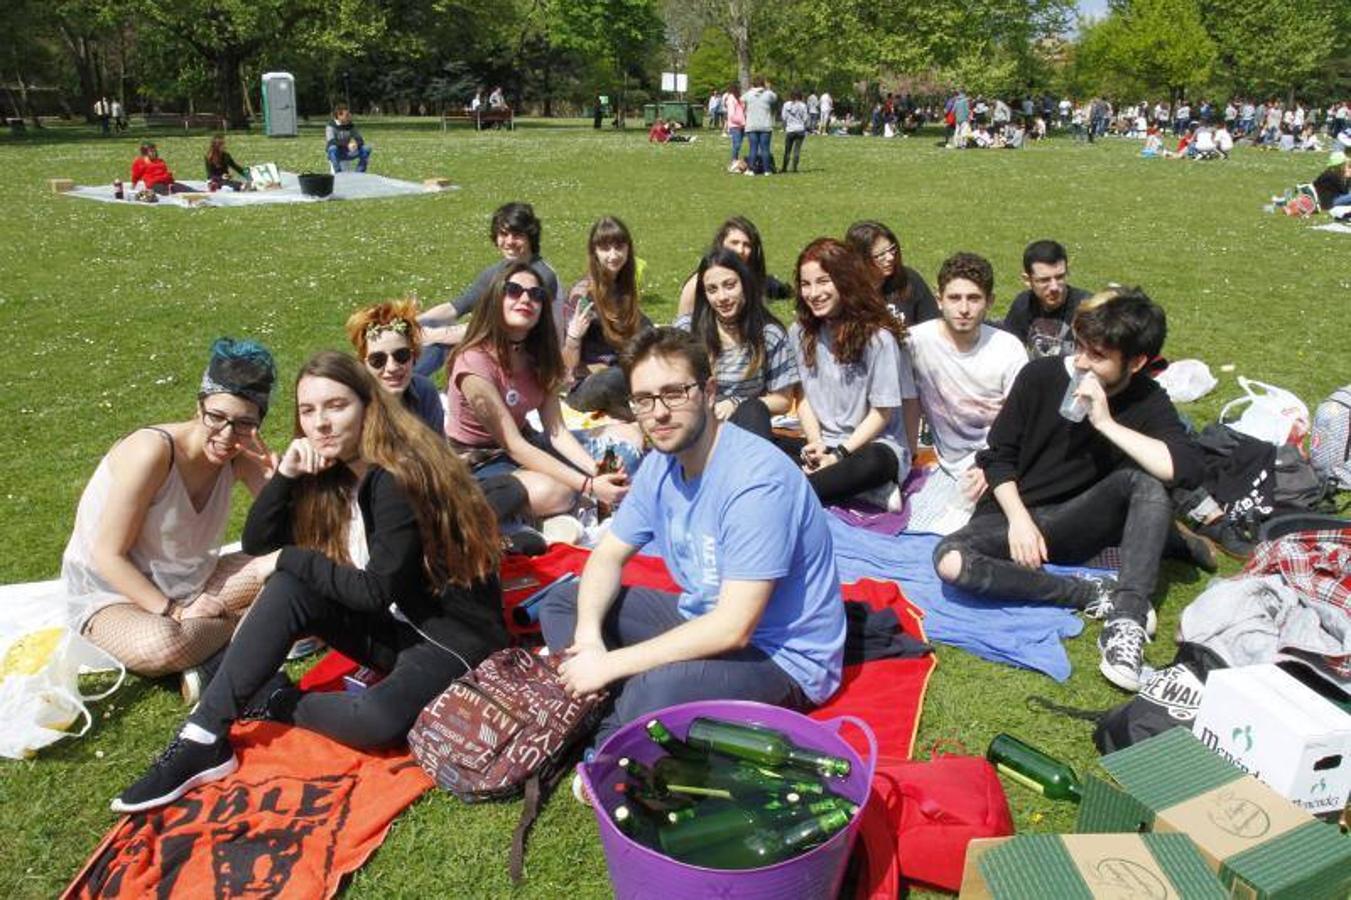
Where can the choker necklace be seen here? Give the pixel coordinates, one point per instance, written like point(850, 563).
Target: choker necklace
point(517, 345)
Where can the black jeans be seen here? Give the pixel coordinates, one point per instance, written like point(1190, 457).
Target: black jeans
point(792, 149)
point(753, 416)
point(417, 670)
point(870, 466)
point(1129, 508)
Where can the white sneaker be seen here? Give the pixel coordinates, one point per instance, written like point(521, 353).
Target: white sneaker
point(885, 496)
point(578, 790)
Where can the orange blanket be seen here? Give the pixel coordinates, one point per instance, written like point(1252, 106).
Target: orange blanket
point(300, 813)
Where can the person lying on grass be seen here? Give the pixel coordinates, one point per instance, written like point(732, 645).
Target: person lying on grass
point(142, 573)
point(759, 616)
point(508, 367)
point(752, 362)
point(377, 540)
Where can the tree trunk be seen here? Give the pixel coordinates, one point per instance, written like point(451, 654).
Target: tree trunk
point(78, 46)
point(739, 30)
point(228, 67)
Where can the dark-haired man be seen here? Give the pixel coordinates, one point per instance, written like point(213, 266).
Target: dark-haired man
point(1062, 491)
point(515, 232)
point(759, 616)
point(1040, 316)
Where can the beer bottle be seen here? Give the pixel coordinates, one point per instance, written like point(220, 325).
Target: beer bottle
point(635, 826)
point(1034, 769)
point(760, 745)
point(609, 464)
point(673, 745)
point(764, 846)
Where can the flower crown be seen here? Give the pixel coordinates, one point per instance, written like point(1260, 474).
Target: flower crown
point(398, 326)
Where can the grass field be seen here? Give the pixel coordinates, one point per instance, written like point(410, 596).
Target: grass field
point(112, 308)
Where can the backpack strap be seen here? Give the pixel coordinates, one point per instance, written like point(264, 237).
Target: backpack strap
point(529, 812)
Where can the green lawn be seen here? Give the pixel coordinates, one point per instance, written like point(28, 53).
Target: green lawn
point(112, 308)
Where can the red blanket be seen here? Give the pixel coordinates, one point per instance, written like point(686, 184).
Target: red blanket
point(888, 694)
point(300, 813)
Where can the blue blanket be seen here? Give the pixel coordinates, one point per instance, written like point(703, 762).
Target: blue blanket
point(1020, 634)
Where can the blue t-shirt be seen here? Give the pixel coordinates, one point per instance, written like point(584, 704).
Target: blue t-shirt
point(751, 516)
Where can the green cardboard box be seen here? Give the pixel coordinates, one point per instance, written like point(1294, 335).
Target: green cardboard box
point(1260, 844)
point(1088, 867)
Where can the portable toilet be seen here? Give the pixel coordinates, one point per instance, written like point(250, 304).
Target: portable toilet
point(279, 104)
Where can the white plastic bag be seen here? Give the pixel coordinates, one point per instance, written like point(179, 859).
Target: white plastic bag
point(1187, 380)
point(1273, 414)
point(40, 698)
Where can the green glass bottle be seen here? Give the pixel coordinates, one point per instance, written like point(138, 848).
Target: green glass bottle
point(760, 745)
point(764, 846)
point(738, 778)
point(1032, 768)
point(661, 735)
point(635, 826)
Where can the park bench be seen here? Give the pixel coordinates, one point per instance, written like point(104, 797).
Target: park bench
point(479, 118)
point(187, 121)
point(17, 127)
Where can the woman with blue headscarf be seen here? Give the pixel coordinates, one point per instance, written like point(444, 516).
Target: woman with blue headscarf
point(142, 571)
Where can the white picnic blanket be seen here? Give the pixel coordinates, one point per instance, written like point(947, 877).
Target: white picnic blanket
point(1334, 226)
point(346, 186)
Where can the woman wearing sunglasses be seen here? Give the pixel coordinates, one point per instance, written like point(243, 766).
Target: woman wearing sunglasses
point(142, 572)
point(509, 366)
point(388, 340)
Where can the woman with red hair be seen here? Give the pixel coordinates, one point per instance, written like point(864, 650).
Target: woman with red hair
point(858, 408)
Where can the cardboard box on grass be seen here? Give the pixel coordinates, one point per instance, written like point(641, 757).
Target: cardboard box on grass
point(1096, 866)
point(1263, 720)
point(1261, 845)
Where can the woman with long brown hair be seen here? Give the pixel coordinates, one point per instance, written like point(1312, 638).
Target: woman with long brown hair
point(904, 291)
point(600, 316)
point(858, 409)
point(380, 543)
point(219, 164)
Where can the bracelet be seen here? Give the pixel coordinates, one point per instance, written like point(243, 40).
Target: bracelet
point(586, 486)
point(168, 607)
point(840, 451)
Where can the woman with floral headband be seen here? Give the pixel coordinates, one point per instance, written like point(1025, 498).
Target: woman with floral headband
point(142, 573)
point(388, 340)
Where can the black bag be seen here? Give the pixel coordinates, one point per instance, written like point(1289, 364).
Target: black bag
point(1169, 699)
point(1297, 487)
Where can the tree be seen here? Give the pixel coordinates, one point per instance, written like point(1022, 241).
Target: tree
point(1272, 45)
point(1151, 45)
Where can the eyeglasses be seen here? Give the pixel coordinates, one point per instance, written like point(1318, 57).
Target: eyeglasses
point(890, 250)
point(673, 397)
point(378, 359)
point(216, 422)
point(516, 291)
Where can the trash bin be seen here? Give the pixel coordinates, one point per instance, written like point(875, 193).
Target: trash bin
point(677, 111)
point(649, 114)
point(279, 104)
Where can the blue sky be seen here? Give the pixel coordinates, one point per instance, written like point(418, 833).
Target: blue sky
point(1093, 7)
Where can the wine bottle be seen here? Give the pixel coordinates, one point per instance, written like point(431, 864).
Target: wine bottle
point(1032, 768)
point(738, 778)
point(635, 826)
point(760, 745)
point(661, 735)
point(763, 846)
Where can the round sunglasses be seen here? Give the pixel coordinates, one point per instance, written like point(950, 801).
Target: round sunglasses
point(378, 359)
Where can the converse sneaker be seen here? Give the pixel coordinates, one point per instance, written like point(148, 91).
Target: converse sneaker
point(193, 681)
point(1102, 606)
point(1122, 644)
point(182, 766)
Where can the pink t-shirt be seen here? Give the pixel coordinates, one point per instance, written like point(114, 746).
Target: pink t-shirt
point(521, 393)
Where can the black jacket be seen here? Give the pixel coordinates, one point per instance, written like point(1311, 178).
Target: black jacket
point(466, 620)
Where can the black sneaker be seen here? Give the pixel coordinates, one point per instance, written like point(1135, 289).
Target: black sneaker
point(182, 766)
point(1233, 540)
point(1122, 644)
point(525, 541)
point(260, 704)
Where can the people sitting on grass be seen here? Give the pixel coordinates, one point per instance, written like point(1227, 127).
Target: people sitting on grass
point(739, 235)
point(600, 316)
point(1333, 184)
point(508, 367)
point(388, 340)
point(903, 290)
point(152, 173)
point(753, 365)
point(376, 539)
point(759, 616)
point(343, 141)
point(858, 410)
point(515, 231)
point(219, 165)
point(142, 573)
point(1061, 491)
point(1041, 316)
point(1153, 148)
point(667, 132)
point(964, 370)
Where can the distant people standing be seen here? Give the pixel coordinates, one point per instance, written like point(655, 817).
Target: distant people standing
point(596, 110)
point(736, 120)
point(760, 100)
point(827, 109)
point(119, 115)
point(102, 112)
point(714, 109)
point(496, 99)
point(813, 111)
point(795, 118)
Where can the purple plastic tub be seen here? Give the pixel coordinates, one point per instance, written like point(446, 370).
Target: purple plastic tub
point(639, 872)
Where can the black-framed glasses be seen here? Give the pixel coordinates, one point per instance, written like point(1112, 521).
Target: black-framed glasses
point(377, 359)
point(516, 291)
point(889, 250)
point(216, 421)
point(673, 397)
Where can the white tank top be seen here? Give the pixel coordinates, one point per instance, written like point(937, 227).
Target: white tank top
point(176, 549)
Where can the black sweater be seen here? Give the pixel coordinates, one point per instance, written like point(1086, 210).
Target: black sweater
point(1052, 459)
point(466, 620)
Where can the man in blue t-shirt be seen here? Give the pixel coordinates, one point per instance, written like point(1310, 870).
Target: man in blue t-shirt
point(759, 616)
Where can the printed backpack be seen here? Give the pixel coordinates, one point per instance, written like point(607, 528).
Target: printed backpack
point(505, 728)
point(1330, 445)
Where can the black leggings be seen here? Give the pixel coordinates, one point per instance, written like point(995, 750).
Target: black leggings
point(870, 466)
point(380, 716)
